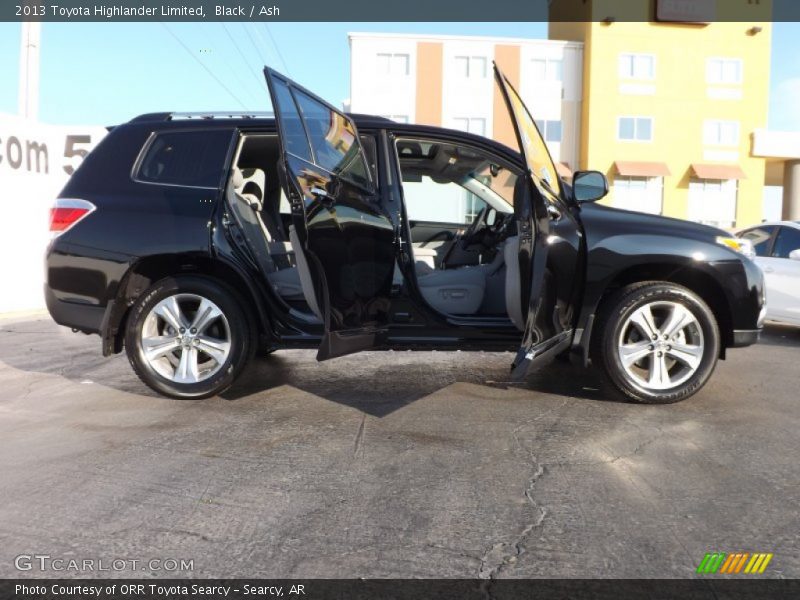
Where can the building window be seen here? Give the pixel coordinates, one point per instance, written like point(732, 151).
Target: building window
point(635, 129)
point(550, 130)
point(548, 69)
point(476, 125)
point(471, 67)
point(392, 64)
point(713, 202)
point(724, 71)
point(641, 194)
point(637, 66)
point(721, 133)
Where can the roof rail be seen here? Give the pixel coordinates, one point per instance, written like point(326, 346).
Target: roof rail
point(220, 115)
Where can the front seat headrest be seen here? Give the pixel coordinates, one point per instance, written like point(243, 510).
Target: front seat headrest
point(255, 176)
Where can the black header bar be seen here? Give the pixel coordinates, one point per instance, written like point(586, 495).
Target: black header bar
point(693, 12)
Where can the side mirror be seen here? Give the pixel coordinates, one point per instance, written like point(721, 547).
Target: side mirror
point(795, 254)
point(589, 186)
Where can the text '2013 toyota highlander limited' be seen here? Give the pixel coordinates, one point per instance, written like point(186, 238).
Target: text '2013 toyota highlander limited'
point(194, 242)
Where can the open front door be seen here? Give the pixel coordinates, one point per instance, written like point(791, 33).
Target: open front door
point(342, 240)
point(542, 190)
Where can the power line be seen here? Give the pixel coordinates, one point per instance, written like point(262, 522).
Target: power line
point(239, 50)
point(277, 49)
point(263, 43)
point(202, 64)
point(252, 42)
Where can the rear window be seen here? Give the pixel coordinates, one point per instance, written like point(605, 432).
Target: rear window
point(191, 158)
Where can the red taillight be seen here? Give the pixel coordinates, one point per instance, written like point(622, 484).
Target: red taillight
point(66, 212)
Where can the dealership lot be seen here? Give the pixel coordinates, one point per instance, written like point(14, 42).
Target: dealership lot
point(391, 465)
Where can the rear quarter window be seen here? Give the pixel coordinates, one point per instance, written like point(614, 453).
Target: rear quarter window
point(189, 158)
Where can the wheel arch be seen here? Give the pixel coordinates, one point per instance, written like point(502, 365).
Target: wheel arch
point(147, 270)
point(708, 288)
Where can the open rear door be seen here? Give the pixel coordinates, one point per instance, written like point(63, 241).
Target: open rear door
point(343, 241)
point(542, 189)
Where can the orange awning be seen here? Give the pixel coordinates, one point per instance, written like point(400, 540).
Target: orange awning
point(717, 171)
point(631, 168)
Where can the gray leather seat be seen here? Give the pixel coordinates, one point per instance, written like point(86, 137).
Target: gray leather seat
point(454, 291)
point(247, 192)
point(513, 296)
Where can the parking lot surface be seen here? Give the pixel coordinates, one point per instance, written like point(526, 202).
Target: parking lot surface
point(392, 465)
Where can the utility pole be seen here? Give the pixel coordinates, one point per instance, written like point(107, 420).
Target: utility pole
point(29, 70)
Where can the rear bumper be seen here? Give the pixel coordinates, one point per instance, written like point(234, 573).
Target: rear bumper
point(745, 337)
point(84, 317)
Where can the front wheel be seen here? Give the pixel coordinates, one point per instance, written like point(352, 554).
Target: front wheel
point(188, 337)
point(656, 342)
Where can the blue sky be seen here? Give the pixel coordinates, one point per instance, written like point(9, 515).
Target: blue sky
point(105, 73)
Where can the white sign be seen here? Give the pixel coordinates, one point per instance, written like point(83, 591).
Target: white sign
point(36, 161)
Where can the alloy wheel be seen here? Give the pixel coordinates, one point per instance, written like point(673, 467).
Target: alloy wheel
point(185, 338)
point(660, 345)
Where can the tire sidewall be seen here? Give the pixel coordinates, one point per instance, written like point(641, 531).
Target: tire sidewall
point(626, 305)
point(241, 336)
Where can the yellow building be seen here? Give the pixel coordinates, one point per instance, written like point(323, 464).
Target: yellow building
point(670, 108)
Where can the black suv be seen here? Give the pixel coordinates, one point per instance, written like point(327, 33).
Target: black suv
point(193, 241)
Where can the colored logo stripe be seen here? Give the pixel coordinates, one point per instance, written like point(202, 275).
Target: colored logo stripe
point(723, 563)
point(758, 564)
point(711, 562)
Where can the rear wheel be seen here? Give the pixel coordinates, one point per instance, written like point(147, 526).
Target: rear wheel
point(188, 337)
point(656, 342)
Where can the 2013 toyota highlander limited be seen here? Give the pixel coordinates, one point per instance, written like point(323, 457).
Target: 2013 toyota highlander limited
point(194, 241)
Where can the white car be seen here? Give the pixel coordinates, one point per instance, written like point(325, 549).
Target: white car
point(777, 252)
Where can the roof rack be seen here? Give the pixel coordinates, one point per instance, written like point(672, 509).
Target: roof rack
point(220, 115)
point(176, 116)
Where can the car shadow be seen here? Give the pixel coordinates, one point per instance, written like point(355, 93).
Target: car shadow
point(376, 383)
point(388, 387)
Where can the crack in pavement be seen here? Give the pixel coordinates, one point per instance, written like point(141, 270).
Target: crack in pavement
point(358, 442)
point(504, 555)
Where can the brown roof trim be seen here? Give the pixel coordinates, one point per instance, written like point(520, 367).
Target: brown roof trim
point(718, 171)
point(630, 168)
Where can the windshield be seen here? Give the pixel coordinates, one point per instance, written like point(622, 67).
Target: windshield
point(533, 148)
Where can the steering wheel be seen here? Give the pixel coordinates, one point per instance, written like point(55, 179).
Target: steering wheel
point(464, 238)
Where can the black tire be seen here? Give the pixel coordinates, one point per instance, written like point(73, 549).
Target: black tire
point(241, 333)
point(613, 323)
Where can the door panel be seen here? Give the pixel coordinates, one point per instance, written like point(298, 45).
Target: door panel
point(545, 272)
point(345, 236)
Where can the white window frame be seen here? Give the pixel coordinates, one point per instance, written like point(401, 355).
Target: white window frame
point(632, 76)
point(390, 63)
point(470, 61)
point(469, 122)
point(652, 185)
point(716, 186)
point(636, 119)
point(544, 126)
point(714, 78)
point(549, 70)
point(714, 130)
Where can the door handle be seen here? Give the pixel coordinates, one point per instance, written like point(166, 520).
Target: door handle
point(769, 270)
point(553, 212)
